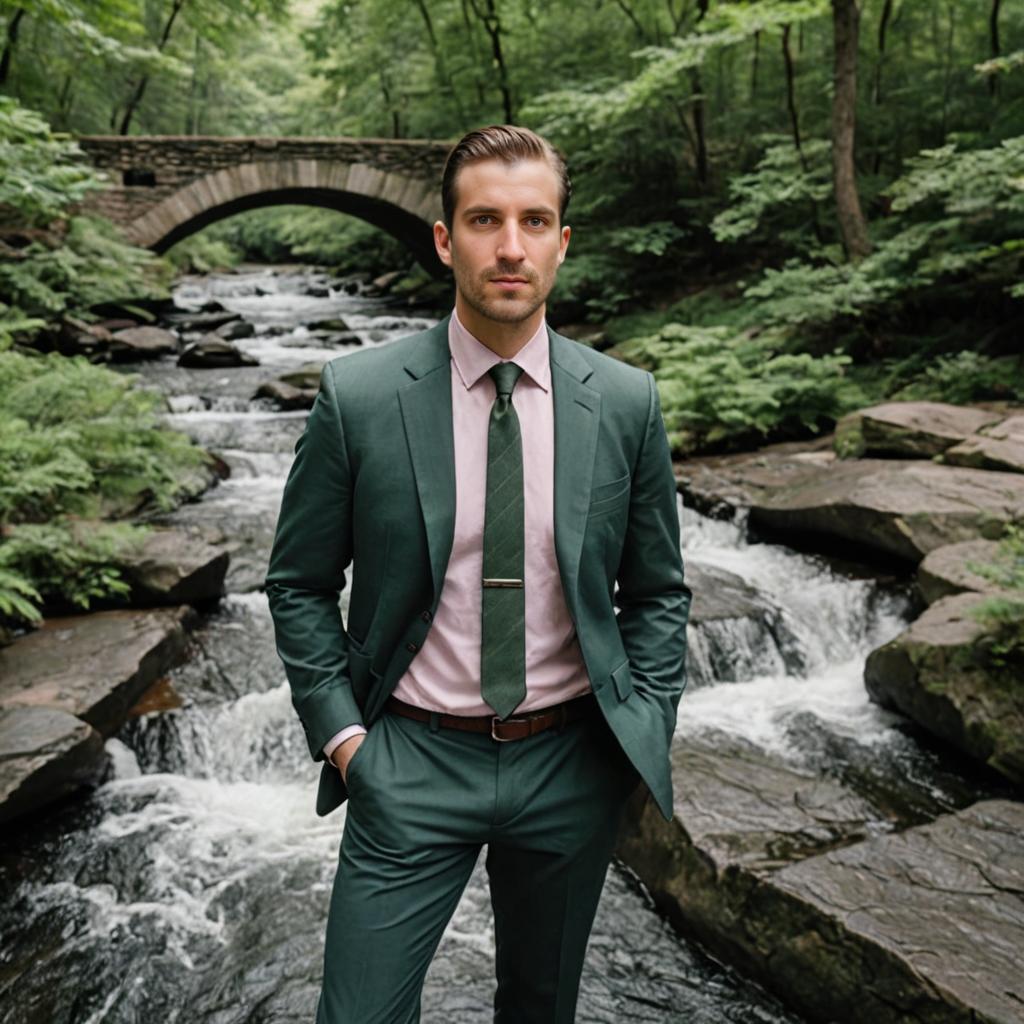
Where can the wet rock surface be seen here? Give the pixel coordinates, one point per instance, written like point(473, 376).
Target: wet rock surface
point(184, 566)
point(134, 343)
point(937, 673)
point(893, 508)
point(804, 885)
point(45, 754)
point(93, 666)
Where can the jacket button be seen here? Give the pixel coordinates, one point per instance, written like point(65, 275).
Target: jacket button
point(410, 646)
point(426, 616)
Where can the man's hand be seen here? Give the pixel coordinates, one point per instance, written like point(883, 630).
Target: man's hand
point(343, 753)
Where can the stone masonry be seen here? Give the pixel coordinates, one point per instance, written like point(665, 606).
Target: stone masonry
point(165, 187)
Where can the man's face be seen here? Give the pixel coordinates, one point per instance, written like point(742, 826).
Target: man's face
point(505, 243)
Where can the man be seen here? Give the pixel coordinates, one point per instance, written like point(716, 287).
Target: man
point(498, 490)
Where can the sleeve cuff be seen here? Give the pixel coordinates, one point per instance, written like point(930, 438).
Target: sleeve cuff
point(339, 737)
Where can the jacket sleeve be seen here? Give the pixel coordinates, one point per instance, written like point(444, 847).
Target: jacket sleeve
point(653, 599)
point(312, 549)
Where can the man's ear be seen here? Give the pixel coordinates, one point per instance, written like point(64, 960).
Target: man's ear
point(566, 232)
point(443, 242)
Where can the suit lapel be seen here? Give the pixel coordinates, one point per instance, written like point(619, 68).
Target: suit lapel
point(577, 417)
point(426, 405)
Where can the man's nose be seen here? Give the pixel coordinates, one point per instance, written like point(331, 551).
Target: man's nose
point(510, 243)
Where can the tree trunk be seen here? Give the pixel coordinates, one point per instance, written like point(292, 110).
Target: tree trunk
point(852, 225)
point(444, 80)
point(753, 65)
point(794, 117)
point(876, 87)
point(9, 44)
point(140, 87)
point(993, 31)
point(492, 23)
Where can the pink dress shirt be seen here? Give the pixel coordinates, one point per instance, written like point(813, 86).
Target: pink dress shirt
point(445, 674)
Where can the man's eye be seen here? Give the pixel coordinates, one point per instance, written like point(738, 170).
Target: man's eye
point(481, 217)
point(537, 222)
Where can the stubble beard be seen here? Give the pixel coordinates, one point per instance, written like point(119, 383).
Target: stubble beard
point(505, 309)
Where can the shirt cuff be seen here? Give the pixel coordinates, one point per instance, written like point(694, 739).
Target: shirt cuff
point(339, 737)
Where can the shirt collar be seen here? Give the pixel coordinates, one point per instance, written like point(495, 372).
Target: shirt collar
point(473, 358)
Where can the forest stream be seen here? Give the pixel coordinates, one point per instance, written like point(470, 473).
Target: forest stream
point(193, 884)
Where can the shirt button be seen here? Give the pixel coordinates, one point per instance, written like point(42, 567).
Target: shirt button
point(426, 616)
point(410, 646)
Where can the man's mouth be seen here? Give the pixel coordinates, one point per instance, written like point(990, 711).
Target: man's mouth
point(509, 281)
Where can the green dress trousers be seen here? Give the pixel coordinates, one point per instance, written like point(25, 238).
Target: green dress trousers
point(423, 799)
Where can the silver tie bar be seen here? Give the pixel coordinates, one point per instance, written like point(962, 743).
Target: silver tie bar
point(502, 583)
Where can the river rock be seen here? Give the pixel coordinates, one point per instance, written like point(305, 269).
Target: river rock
point(234, 330)
point(384, 283)
point(76, 337)
point(211, 352)
point(142, 343)
point(93, 666)
point(937, 673)
point(908, 429)
point(799, 883)
point(199, 321)
point(286, 395)
point(333, 324)
point(945, 571)
point(894, 507)
point(175, 567)
point(742, 634)
point(999, 446)
point(721, 485)
point(45, 754)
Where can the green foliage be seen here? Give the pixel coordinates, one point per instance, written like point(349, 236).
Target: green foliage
point(1004, 614)
point(720, 389)
point(203, 253)
point(774, 203)
point(93, 264)
point(965, 377)
point(957, 214)
point(78, 438)
point(57, 562)
point(41, 173)
point(280, 234)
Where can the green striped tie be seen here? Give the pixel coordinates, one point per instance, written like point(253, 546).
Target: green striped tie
point(503, 627)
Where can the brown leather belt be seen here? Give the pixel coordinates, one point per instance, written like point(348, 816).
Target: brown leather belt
point(515, 727)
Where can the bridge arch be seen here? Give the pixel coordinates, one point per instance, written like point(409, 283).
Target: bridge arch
point(404, 206)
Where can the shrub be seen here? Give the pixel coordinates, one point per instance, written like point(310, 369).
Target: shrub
point(720, 389)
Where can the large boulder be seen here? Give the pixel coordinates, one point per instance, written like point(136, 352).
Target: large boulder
point(949, 569)
point(899, 508)
point(142, 343)
point(938, 672)
point(175, 567)
point(45, 754)
point(999, 446)
point(908, 429)
point(800, 883)
point(212, 352)
point(296, 389)
point(93, 666)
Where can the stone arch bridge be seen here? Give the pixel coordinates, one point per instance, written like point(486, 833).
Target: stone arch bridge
point(164, 188)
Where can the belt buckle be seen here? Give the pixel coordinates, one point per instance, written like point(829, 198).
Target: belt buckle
point(495, 720)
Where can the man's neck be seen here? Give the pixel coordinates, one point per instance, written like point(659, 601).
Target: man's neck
point(504, 339)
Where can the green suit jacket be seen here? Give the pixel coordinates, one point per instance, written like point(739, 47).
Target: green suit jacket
point(373, 486)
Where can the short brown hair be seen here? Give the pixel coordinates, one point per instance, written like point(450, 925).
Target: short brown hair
point(507, 142)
